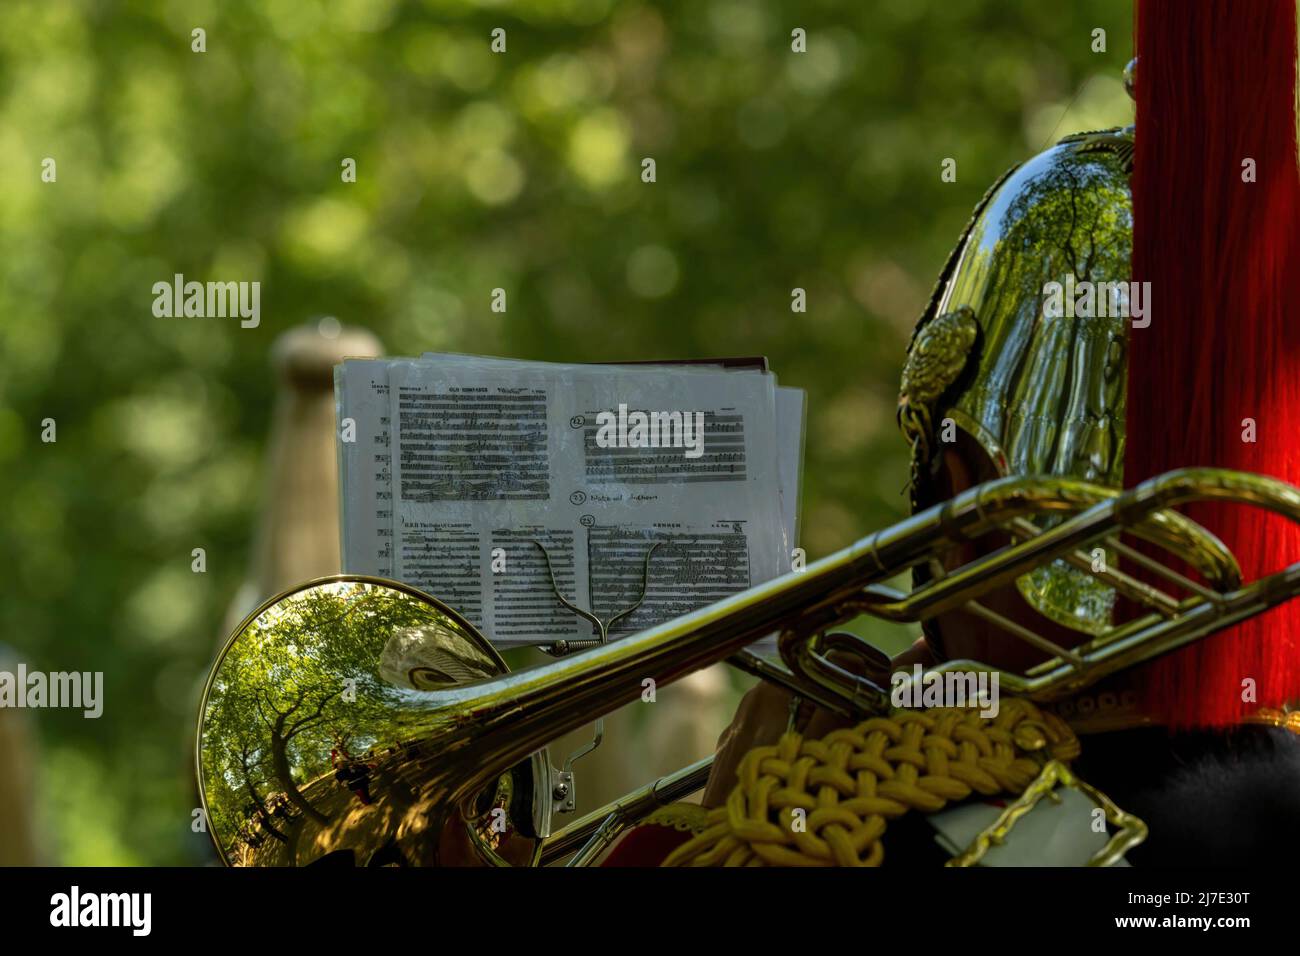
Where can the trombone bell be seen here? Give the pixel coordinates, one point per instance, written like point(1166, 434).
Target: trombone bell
point(317, 732)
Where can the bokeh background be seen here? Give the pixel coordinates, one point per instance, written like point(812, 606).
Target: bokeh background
point(475, 170)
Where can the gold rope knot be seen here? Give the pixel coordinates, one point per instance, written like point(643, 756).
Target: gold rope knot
point(825, 802)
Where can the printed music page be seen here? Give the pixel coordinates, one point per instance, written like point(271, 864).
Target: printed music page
point(490, 458)
point(365, 479)
point(790, 427)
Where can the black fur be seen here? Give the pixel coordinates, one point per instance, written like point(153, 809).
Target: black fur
point(1208, 799)
point(1224, 799)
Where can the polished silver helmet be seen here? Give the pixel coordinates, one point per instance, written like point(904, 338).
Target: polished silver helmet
point(1038, 389)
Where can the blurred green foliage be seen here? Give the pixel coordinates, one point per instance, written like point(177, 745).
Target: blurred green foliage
point(474, 171)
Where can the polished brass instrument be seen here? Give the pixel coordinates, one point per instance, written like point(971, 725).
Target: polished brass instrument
point(366, 723)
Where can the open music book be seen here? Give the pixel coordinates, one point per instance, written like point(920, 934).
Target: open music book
point(477, 479)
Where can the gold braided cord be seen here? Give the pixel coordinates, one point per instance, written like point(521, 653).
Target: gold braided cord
point(826, 802)
point(686, 817)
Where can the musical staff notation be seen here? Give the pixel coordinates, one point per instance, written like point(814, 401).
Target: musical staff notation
point(690, 570)
point(473, 446)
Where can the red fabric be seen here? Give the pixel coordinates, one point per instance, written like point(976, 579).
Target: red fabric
point(646, 845)
point(1215, 86)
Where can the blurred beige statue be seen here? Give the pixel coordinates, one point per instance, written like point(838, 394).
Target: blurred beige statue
point(18, 840)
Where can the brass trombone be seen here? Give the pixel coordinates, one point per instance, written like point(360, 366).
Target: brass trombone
point(458, 743)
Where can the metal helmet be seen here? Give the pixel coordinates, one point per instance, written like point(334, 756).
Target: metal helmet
point(1039, 390)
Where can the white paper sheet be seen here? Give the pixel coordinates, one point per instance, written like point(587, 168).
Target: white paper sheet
point(487, 456)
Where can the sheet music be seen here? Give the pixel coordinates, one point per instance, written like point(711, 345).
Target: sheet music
point(365, 479)
point(487, 456)
point(790, 420)
point(791, 413)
